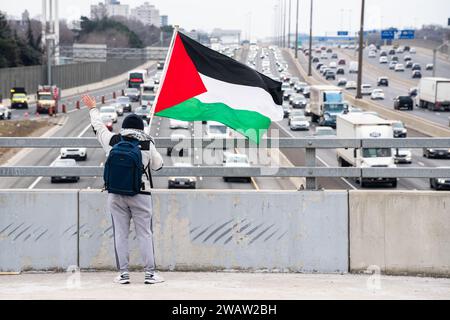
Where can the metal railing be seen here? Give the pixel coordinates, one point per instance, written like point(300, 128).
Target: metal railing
point(310, 171)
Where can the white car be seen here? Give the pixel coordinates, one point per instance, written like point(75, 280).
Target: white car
point(324, 56)
point(147, 99)
point(399, 67)
point(119, 109)
point(366, 89)
point(384, 60)
point(429, 66)
point(299, 123)
point(392, 65)
point(231, 160)
point(109, 111)
point(324, 131)
point(182, 182)
point(73, 153)
point(402, 155)
point(178, 124)
point(332, 65)
point(351, 85)
point(412, 50)
point(377, 94)
point(372, 54)
point(5, 113)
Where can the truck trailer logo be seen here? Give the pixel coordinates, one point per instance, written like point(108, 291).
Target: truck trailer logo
point(375, 134)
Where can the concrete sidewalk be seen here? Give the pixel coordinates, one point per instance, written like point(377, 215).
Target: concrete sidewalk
point(194, 285)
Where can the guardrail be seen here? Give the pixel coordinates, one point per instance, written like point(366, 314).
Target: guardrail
point(310, 171)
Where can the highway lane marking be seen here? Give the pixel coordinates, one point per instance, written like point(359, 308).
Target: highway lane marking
point(421, 163)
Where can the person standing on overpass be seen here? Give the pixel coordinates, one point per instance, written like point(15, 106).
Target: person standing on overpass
point(134, 204)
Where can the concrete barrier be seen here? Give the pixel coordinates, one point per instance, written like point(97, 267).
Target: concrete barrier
point(38, 229)
point(404, 232)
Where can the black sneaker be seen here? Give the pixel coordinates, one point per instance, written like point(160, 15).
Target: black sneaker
point(152, 278)
point(123, 278)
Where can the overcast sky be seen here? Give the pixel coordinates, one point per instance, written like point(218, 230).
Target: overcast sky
point(257, 16)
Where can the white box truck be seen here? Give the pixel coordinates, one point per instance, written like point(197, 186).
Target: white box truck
point(434, 94)
point(353, 67)
point(325, 103)
point(362, 125)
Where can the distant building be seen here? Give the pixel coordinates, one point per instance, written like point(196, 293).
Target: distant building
point(164, 20)
point(147, 14)
point(227, 36)
point(109, 9)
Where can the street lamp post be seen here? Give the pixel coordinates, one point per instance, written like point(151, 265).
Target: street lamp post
point(310, 40)
point(296, 32)
point(360, 49)
point(289, 27)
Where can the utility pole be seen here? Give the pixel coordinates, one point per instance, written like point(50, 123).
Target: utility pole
point(289, 27)
point(310, 40)
point(296, 32)
point(284, 23)
point(360, 58)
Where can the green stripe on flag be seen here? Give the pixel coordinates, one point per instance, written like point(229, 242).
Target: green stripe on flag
point(249, 123)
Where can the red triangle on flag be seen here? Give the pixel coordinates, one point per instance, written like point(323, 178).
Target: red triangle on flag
point(181, 81)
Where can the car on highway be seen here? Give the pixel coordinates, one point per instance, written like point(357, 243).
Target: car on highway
point(412, 50)
point(109, 111)
point(440, 183)
point(351, 85)
point(342, 82)
point(143, 112)
point(416, 74)
point(366, 89)
point(392, 52)
point(394, 58)
point(400, 50)
point(323, 56)
point(125, 103)
point(132, 93)
point(295, 113)
point(299, 123)
point(286, 109)
point(329, 50)
point(306, 91)
point(73, 153)
point(323, 69)
point(107, 122)
point(147, 99)
point(402, 155)
point(403, 102)
point(372, 54)
point(293, 81)
point(332, 65)
point(416, 66)
point(383, 60)
point(399, 129)
point(285, 86)
point(287, 94)
point(19, 100)
point(160, 65)
point(409, 64)
point(318, 66)
point(300, 86)
point(324, 132)
point(429, 66)
point(392, 65)
point(383, 81)
point(182, 182)
point(119, 109)
point(341, 62)
point(315, 60)
point(330, 74)
point(383, 53)
point(231, 160)
point(340, 71)
point(178, 124)
point(437, 153)
point(334, 56)
point(407, 58)
point(64, 163)
point(5, 112)
point(377, 94)
point(353, 67)
point(299, 102)
point(399, 67)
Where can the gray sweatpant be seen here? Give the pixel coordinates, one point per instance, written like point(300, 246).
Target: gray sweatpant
point(122, 210)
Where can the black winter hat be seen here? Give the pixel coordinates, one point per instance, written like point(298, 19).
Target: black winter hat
point(133, 121)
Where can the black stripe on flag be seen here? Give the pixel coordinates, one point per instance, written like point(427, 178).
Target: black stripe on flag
point(221, 67)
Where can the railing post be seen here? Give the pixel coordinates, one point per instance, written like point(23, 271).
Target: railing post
point(310, 161)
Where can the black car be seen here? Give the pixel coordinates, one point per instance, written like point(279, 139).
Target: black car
point(403, 102)
point(329, 50)
point(299, 103)
point(340, 71)
point(399, 130)
point(416, 66)
point(160, 65)
point(330, 74)
point(342, 82)
point(441, 153)
point(334, 56)
point(440, 183)
point(392, 52)
point(383, 81)
point(315, 60)
point(416, 74)
point(408, 64)
point(318, 66)
point(394, 58)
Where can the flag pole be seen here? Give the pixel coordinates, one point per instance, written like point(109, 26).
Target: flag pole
point(163, 76)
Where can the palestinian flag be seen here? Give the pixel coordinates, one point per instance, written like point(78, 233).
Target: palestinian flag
point(201, 84)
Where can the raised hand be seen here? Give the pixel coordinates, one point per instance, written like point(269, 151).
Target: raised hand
point(89, 101)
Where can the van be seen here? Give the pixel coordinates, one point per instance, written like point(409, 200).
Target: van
point(353, 68)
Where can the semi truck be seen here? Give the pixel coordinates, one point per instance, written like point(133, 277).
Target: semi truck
point(434, 94)
point(47, 99)
point(361, 125)
point(326, 102)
